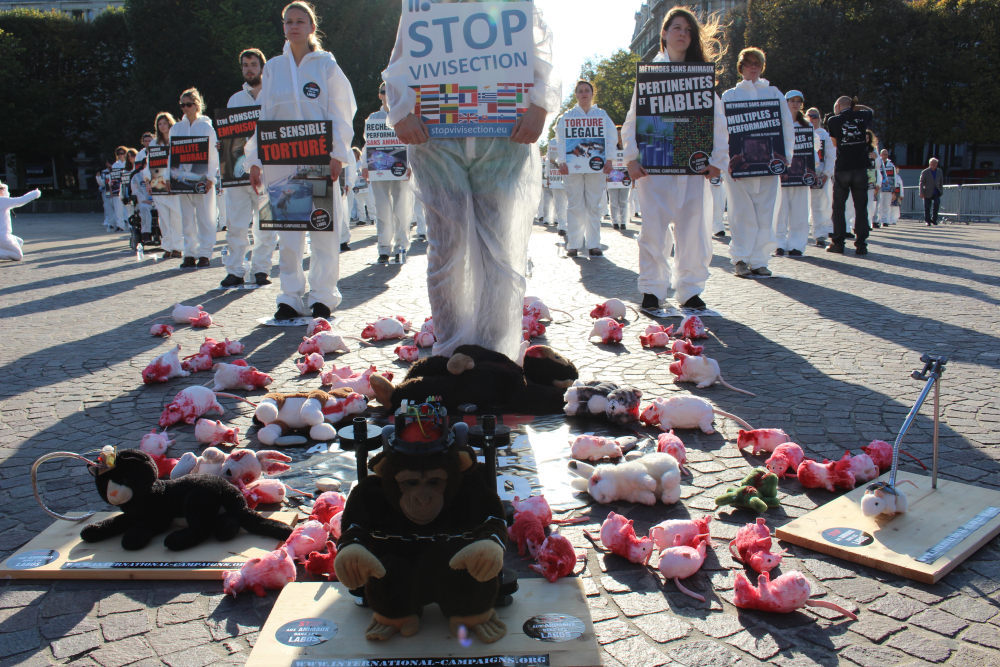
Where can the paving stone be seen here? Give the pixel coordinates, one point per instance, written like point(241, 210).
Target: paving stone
point(64, 626)
point(122, 602)
point(966, 656)
point(635, 651)
point(939, 622)
point(719, 625)
point(875, 627)
point(600, 610)
point(662, 628)
point(858, 589)
point(60, 603)
point(986, 635)
point(759, 642)
point(831, 638)
point(703, 654)
point(193, 657)
point(123, 652)
point(637, 604)
point(12, 620)
point(613, 630)
point(233, 624)
point(179, 613)
point(971, 609)
point(871, 656)
point(12, 643)
point(919, 646)
point(21, 596)
point(41, 658)
point(924, 596)
point(626, 582)
point(174, 638)
point(120, 626)
point(897, 607)
point(826, 570)
point(76, 644)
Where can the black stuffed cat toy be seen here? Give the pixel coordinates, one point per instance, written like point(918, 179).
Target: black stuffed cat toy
point(149, 506)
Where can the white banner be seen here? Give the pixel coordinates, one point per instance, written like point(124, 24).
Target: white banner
point(386, 155)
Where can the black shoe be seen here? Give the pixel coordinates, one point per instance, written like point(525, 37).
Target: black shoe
point(836, 247)
point(399, 258)
point(876, 225)
point(596, 252)
point(820, 243)
point(224, 228)
point(863, 250)
point(423, 237)
point(261, 278)
point(147, 237)
point(562, 232)
point(694, 302)
point(231, 281)
point(849, 236)
point(285, 312)
point(345, 247)
point(794, 253)
point(614, 225)
point(188, 263)
point(203, 263)
point(780, 252)
point(719, 235)
point(320, 310)
point(935, 223)
point(928, 224)
point(383, 259)
point(649, 302)
point(572, 253)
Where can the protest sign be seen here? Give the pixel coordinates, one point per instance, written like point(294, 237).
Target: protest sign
point(385, 154)
point(159, 169)
point(756, 138)
point(802, 171)
point(296, 159)
point(189, 165)
point(619, 178)
point(234, 127)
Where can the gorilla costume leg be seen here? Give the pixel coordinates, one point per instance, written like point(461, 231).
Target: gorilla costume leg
point(394, 599)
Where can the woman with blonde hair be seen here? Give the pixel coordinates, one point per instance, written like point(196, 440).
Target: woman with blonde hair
point(792, 227)
point(198, 210)
point(168, 207)
point(677, 210)
point(306, 83)
point(820, 198)
point(753, 201)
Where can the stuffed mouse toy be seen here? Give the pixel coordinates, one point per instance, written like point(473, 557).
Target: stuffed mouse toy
point(210, 505)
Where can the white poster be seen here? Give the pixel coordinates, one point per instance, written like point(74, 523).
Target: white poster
point(472, 65)
point(385, 154)
point(584, 144)
point(555, 178)
point(619, 179)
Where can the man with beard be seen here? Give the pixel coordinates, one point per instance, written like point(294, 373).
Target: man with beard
point(242, 205)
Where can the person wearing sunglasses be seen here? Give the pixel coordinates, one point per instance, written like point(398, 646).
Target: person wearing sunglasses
point(820, 201)
point(198, 211)
point(792, 228)
point(753, 201)
point(116, 200)
point(306, 83)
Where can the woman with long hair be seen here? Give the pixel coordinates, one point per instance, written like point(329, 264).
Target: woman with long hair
point(792, 227)
point(306, 83)
point(753, 201)
point(116, 199)
point(677, 210)
point(168, 207)
point(125, 194)
point(820, 195)
point(875, 167)
point(198, 210)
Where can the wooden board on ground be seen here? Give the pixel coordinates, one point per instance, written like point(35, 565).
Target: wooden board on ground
point(898, 544)
point(302, 606)
point(59, 553)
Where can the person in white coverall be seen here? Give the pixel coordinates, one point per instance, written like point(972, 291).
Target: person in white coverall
point(820, 198)
point(393, 202)
point(753, 202)
point(10, 245)
point(102, 185)
point(305, 67)
point(792, 226)
point(363, 199)
point(242, 204)
point(560, 202)
point(198, 212)
point(676, 210)
point(618, 197)
point(875, 163)
point(351, 176)
point(889, 183)
point(718, 209)
point(586, 188)
point(116, 199)
point(168, 207)
point(479, 196)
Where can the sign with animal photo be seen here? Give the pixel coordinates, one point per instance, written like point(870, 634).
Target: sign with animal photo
point(555, 178)
point(756, 141)
point(584, 143)
point(675, 117)
point(619, 179)
point(385, 153)
point(234, 127)
point(296, 160)
point(159, 169)
point(115, 181)
point(189, 165)
point(802, 171)
point(472, 65)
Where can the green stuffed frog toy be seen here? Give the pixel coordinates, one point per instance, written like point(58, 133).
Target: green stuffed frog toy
point(757, 491)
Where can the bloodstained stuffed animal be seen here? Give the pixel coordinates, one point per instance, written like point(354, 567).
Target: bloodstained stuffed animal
point(703, 371)
point(786, 457)
point(826, 475)
point(359, 383)
point(209, 432)
point(189, 404)
point(608, 330)
point(164, 367)
point(384, 328)
point(757, 491)
point(619, 404)
point(659, 328)
point(198, 362)
point(643, 479)
point(271, 571)
point(668, 443)
point(762, 439)
point(612, 308)
point(658, 339)
point(685, 346)
point(210, 505)
point(752, 546)
point(306, 538)
point(323, 343)
point(527, 531)
point(785, 594)
point(684, 412)
point(156, 445)
point(162, 330)
point(682, 560)
point(861, 466)
point(665, 532)
point(311, 364)
point(618, 535)
point(322, 563)
point(594, 448)
point(239, 376)
point(328, 505)
point(424, 339)
point(318, 324)
point(692, 327)
point(556, 558)
point(407, 352)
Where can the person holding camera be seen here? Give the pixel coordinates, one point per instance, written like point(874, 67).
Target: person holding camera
point(849, 133)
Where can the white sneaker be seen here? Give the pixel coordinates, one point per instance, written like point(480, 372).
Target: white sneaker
point(742, 269)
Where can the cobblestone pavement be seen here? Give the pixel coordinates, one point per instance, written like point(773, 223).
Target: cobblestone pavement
point(827, 345)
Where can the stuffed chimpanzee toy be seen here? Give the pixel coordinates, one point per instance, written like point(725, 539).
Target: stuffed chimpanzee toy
point(427, 527)
point(488, 379)
point(149, 506)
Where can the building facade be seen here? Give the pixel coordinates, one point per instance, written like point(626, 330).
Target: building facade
point(646, 37)
point(87, 10)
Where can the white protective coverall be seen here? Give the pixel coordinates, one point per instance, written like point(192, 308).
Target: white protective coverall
point(419, 216)
point(888, 176)
point(753, 202)
point(350, 180)
point(821, 199)
point(117, 202)
point(559, 192)
point(242, 207)
point(145, 205)
point(282, 97)
point(109, 207)
point(618, 203)
point(393, 206)
point(479, 198)
point(586, 191)
point(676, 212)
point(198, 212)
point(10, 245)
point(718, 208)
point(792, 226)
point(168, 213)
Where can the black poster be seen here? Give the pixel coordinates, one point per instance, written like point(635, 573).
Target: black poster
point(115, 181)
point(296, 159)
point(159, 169)
point(756, 143)
point(234, 128)
point(189, 165)
point(802, 172)
point(675, 107)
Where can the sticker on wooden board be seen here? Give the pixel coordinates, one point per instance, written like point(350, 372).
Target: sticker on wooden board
point(32, 559)
point(306, 632)
point(847, 537)
point(554, 627)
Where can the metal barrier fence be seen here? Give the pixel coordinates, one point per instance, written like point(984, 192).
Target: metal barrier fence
point(964, 202)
